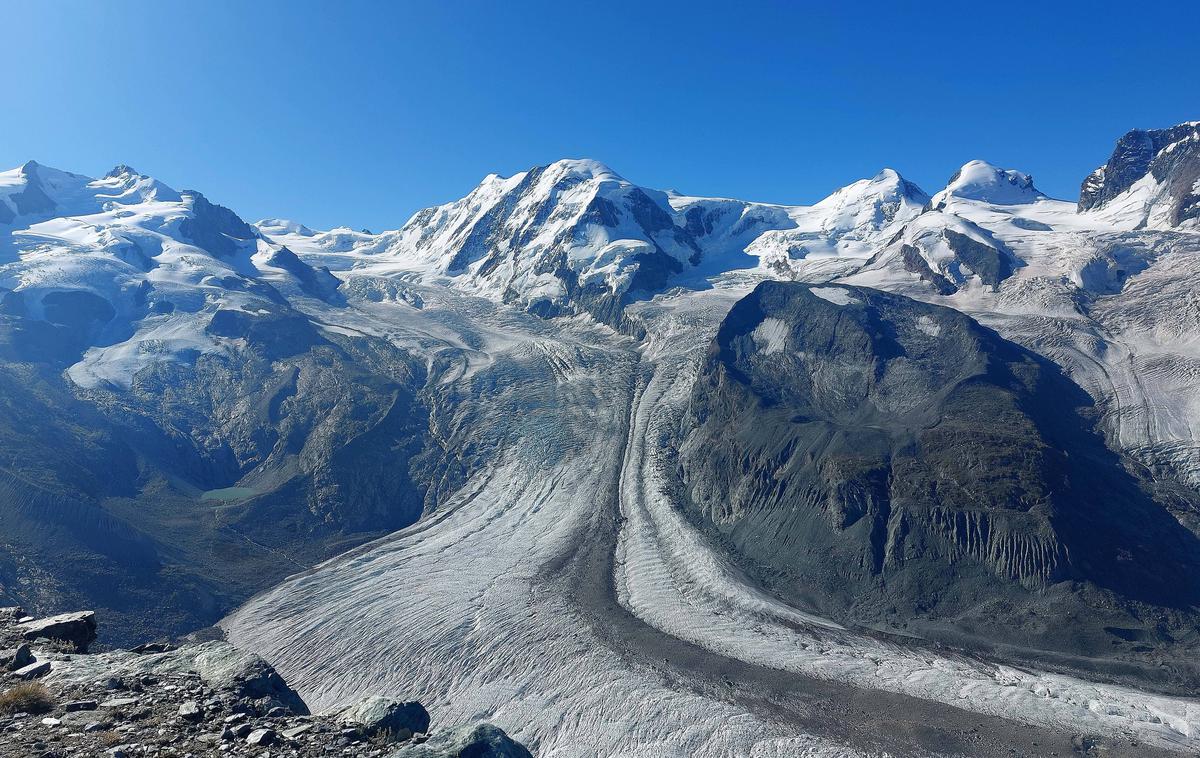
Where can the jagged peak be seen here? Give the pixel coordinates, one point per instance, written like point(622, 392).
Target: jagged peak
point(1162, 153)
point(121, 170)
point(585, 169)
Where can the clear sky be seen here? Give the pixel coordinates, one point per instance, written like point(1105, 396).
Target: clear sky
point(359, 113)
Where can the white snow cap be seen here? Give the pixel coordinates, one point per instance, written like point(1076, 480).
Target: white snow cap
point(980, 180)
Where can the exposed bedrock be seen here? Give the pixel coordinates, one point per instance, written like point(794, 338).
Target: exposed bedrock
point(166, 503)
point(892, 462)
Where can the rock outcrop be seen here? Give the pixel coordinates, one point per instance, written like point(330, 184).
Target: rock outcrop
point(1160, 166)
point(384, 715)
point(199, 699)
point(77, 629)
point(889, 461)
point(478, 741)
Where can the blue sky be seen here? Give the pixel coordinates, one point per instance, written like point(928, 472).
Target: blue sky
point(360, 113)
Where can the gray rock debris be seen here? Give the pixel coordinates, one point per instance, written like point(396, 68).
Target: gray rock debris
point(201, 700)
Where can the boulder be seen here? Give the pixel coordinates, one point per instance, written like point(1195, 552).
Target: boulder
point(220, 666)
point(262, 737)
point(191, 711)
point(15, 659)
point(80, 705)
point(224, 667)
point(296, 731)
point(375, 714)
point(482, 740)
point(33, 670)
point(119, 702)
point(78, 629)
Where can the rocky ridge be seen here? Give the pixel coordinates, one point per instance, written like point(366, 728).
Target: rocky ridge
point(57, 699)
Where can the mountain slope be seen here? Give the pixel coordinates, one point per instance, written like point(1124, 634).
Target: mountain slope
point(575, 237)
point(892, 462)
point(179, 432)
point(1151, 180)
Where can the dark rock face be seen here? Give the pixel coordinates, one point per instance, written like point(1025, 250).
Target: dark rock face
point(990, 264)
point(279, 334)
point(32, 199)
point(890, 461)
point(911, 258)
point(215, 228)
point(1172, 156)
point(132, 500)
point(78, 629)
point(317, 282)
point(77, 309)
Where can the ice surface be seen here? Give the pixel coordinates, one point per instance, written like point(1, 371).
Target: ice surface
point(835, 295)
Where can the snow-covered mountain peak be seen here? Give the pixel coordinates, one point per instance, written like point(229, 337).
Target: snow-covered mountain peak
point(583, 168)
point(126, 186)
point(837, 233)
point(981, 181)
point(1152, 179)
point(121, 170)
point(546, 236)
point(884, 193)
point(271, 226)
point(36, 191)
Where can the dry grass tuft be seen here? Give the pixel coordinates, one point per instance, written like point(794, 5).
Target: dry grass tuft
point(110, 738)
point(27, 697)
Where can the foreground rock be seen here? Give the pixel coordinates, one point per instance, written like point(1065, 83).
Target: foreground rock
point(479, 741)
point(383, 715)
point(78, 629)
point(200, 699)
